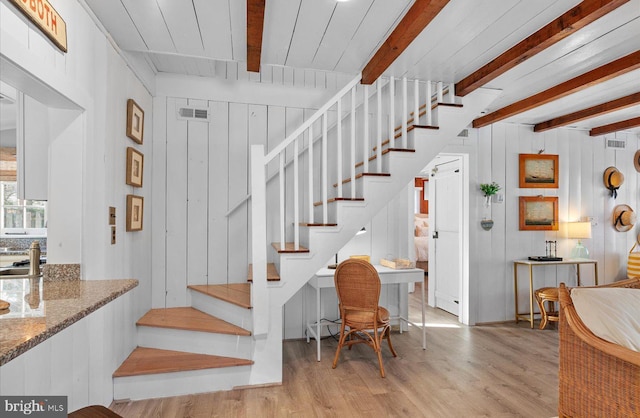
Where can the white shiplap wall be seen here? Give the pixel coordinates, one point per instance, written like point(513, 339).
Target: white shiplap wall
point(581, 193)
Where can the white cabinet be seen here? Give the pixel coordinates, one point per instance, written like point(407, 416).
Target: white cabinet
point(33, 148)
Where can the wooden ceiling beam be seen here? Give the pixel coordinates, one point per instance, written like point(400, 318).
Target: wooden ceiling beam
point(571, 21)
point(255, 26)
point(412, 24)
point(599, 75)
point(597, 110)
point(615, 127)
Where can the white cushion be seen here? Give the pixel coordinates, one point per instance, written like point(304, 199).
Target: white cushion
point(612, 314)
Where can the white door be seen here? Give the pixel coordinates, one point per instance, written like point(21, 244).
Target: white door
point(446, 180)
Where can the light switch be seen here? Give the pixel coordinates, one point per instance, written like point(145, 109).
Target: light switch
point(113, 235)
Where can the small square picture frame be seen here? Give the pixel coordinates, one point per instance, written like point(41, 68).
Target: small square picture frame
point(135, 121)
point(538, 213)
point(135, 212)
point(538, 171)
point(135, 167)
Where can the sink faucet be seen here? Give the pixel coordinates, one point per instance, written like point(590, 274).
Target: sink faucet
point(34, 259)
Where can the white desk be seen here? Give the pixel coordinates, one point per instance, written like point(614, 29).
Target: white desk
point(528, 316)
point(324, 279)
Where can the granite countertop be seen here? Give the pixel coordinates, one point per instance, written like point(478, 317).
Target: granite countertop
point(40, 309)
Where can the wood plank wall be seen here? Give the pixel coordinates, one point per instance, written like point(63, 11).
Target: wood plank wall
point(581, 193)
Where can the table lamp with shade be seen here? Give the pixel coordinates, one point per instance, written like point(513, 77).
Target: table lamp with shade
point(579, 231)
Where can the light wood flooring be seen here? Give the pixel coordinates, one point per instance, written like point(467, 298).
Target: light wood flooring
point(504, 370)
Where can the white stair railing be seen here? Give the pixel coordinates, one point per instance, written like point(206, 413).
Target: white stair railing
point(332, 161)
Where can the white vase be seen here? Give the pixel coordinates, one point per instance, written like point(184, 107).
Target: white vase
point(487, 201)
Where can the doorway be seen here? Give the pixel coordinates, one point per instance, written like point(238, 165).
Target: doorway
point(449, 234)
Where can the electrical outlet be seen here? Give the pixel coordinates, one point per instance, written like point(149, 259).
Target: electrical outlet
point(113, 235)
point(593, 220)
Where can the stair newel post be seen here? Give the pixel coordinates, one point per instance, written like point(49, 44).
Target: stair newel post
point(310, 165)
point(281, 179)
point(296, 195)
point(379, 126)
point(452, 93)
point(416, 102)
point(325, 212)
point(259, 294)
point(392, 115)
point(405, 111)
point(429, 98)
point(365, 126)
point(440, 92)
point(352, 151)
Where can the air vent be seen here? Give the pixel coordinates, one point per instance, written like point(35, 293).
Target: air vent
point(194, 113)
point(615, 143)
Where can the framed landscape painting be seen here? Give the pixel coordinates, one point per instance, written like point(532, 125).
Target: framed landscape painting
point(538, 171)
point(538, 213)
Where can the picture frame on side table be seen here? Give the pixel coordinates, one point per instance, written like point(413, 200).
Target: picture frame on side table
point(135, 121)
point(135, 212)
point(538, 213)
point(135, 167)
point(538, 171)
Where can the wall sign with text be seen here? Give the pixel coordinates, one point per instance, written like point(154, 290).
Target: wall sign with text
point(45, 17)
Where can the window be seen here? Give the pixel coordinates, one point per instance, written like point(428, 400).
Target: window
point(28, 216)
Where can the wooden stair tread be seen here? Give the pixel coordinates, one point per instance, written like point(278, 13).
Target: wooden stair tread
point(341, 199)
point(145, 360)
point(316, 224)
point(384, 152)
point(272, 273)
point(235, 293)
point(289, 247)
point(190, 319)
point(360, 175)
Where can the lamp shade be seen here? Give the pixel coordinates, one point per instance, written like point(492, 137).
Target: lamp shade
point(579, 230)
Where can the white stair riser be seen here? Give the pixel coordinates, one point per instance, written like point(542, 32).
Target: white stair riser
point(226, 311)
point(162, 385)
point(195, 342)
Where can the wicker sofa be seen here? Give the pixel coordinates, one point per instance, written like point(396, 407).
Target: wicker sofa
point(597, 378)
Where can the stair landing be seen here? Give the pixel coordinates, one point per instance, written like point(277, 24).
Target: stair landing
point(189, 319)
point(145, 360)
point(237, 293)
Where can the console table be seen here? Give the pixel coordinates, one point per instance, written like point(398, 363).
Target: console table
point(324, 279)
point(528, 316)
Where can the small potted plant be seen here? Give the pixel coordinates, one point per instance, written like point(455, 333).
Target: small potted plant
point(489, 189)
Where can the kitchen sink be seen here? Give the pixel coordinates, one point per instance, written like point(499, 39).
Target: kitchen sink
point(14, 271)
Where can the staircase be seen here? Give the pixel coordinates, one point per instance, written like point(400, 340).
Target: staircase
point(335, 172)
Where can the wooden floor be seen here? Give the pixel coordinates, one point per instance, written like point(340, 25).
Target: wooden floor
point(505, 370)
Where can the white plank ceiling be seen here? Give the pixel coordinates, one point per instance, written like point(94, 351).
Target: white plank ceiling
point(205, 37)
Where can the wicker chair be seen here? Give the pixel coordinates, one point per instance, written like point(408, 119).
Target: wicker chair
point(597, 378)
point(358, 287)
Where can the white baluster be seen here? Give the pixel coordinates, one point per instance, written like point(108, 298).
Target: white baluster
point(339, 145)
point(416, 102)
point(392, 111)
point(325, 214)
point(296, 196)
point(429, 119)
point(440, 92)
point(282, 207)
point(452, 93)
point(353, 142)
point(310, 165)
point(379, 128)
point(365, 142)
point(405, 111)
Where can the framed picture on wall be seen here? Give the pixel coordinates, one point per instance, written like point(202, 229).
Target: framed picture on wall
point(135, 165)
point(135, 210)
point(538, 213)
point(135, 121)
point(538, 171)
